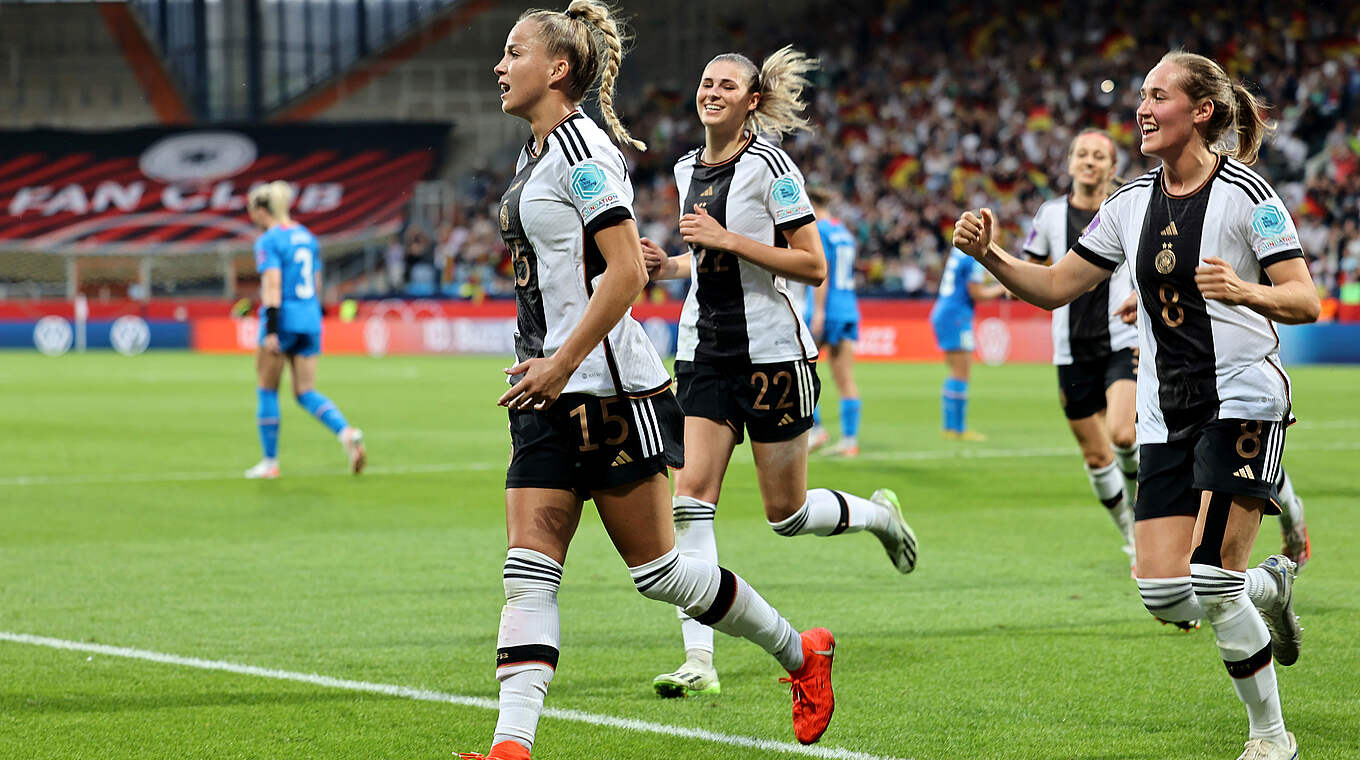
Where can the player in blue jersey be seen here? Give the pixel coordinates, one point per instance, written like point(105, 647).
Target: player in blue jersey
point(833, 314)
point(952, 320)
point(289, 264)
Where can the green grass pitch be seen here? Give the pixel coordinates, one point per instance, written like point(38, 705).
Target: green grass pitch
point(124, 521)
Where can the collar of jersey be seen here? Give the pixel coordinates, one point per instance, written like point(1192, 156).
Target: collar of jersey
point(699, 157)
point(1161, 180)
point(529, 146)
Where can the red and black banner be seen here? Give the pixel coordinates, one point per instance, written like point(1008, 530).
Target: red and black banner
point(183, 190)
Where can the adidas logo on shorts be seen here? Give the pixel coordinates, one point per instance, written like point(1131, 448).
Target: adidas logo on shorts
point(1245, 472)
point(785, 421)
point(622, 458)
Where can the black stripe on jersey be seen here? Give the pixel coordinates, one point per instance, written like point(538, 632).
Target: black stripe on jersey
point(1187, 383)
point(760, 147)
point(1142, 181)
point(593, 265)
point(1242, 185)
point(1094, 258)
point(768, 161)
point(721, 321)
point(1088, 317)
point(688, 157)
point(1249, 177)
point(568, 149)
point(531, 319)
point(1275, 258)
point(573, 134)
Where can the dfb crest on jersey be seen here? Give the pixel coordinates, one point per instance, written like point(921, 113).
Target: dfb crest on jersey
point(786, 192)
point(587, 181)
point(1268, 221)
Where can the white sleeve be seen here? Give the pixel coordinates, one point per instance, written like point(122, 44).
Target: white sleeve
point(1272, 234)
point(1037, 245)
point(1100, 242)
point(598, 187)
point(787, 201)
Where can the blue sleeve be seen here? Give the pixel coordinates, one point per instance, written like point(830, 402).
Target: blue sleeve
point(265, 255)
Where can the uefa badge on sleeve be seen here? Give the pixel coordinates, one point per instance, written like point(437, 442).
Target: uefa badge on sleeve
point(587, 181)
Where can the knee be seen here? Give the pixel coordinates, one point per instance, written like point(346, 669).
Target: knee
point(1096, 459)
point(779, 510)
point(1123, 438)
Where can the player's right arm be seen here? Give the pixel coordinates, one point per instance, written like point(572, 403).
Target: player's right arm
point(271, 289)
point(1045, 287)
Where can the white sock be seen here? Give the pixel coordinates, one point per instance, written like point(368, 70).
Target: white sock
point(694, 537)
point(1170, 599)
point(527, 645)
point(1244, 643)
point(829, 513)
point(1108, 485)
point(1127, 459)
point(1291, 509)
point(716, 596)
point(1261, 587)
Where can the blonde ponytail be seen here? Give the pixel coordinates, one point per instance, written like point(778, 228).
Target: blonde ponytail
point(274, 197)
point(592, 40)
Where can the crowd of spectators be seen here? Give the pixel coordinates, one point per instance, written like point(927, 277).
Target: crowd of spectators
point(921, 110)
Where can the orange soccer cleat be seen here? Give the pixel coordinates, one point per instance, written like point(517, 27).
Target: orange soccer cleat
point(506, 750)
point(813, 699)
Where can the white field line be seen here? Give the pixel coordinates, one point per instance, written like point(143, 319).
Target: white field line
point(936, 455)
point(425, 695)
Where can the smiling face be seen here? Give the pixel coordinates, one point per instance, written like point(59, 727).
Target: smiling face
point(1092, 160)
point(723, 99)
point(525, 70)
point(1166, 115)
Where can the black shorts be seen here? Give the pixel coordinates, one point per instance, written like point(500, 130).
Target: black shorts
point(1082, 385)
point(586, 443)
point(773, 401)
point(1238, 457)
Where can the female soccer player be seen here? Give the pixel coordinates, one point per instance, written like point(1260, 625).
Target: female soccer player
point(289, 263)
point(1094, 349)
point(745, 359)
point(951, 319)
point(592, 415)
point(1216, 262)
point(833, 314)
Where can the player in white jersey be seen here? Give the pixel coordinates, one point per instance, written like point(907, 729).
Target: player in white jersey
point(746, 361)
point(1216, 262)
point(592, 415)
point(1094, 350)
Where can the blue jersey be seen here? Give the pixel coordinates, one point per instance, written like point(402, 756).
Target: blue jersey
point(959, 270)
point(839, 246)
point(293, 251)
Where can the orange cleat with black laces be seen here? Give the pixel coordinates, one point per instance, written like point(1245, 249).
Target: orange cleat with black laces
point(813, 699)
point(506, 750)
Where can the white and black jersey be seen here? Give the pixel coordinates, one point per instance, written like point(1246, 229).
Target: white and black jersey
point(1086, 329)
point(737, 312)
point(557, 201)
point(1200, 361)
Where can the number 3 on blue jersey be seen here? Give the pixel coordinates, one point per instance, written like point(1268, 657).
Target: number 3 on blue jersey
point(306, 287)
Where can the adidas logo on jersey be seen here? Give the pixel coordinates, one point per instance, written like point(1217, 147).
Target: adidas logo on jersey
point(622, 458)
point(1245, 472)
point(1169, 230)
point(707, 193)
point(785, 421)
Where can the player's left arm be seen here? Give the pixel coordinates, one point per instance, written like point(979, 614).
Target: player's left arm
point(616, 289)
point(1290, 299)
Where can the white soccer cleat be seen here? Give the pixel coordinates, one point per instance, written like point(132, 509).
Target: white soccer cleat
point(817, 438)
point(1285, 633)
point(845, 448)
point(899, 541)
point(265, 469)
point(1264, 749)
point(694, 678)
point(352, 439)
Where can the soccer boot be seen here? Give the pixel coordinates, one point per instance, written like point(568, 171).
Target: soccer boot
point(1285, 633)
point(817, 438)
point(506, 750)
point(1185, 626)
point(694, 678)
point(971, 436)
point(845, 448)
point(899, 541)
point(352, 439)
point(265, 469)
point(1264, 749)
point(810, 685)
point(1296, 546)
